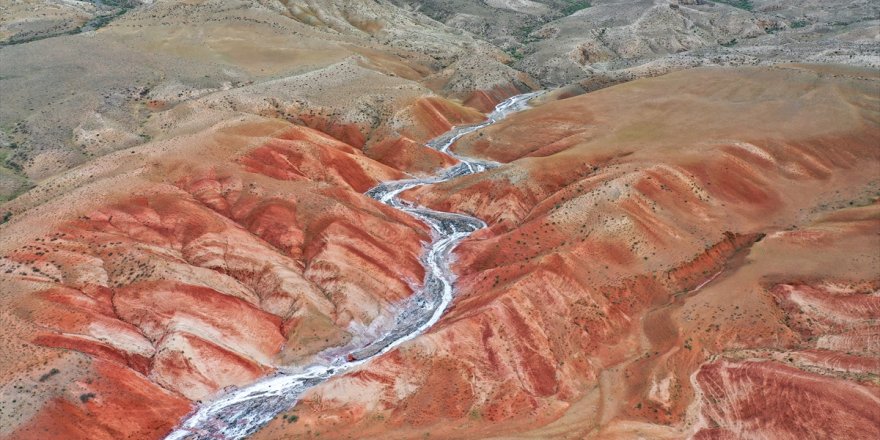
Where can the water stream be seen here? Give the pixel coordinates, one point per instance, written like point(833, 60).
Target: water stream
point(243, 411)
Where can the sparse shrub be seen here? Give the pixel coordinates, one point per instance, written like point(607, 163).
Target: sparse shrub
point(48, 375)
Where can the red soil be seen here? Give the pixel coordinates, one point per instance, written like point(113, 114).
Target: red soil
point(408, 155)
point(685, 255)
point(486, 100)
point(801, 404)
point(434, 116)
point(168, 294)
point(638, 232)
point(109, 402)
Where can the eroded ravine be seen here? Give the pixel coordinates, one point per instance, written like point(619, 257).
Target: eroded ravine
point(243, 411)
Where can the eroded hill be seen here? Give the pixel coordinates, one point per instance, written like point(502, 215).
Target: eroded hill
point(187, 209)
point(694, 254)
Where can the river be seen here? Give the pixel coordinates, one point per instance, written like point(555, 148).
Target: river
point(241, 412)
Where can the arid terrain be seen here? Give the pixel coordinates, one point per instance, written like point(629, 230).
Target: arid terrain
point(682, 233)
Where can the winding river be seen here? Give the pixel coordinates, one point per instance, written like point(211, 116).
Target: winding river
point(243, 411)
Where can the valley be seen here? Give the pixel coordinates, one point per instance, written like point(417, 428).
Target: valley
point(409, 219)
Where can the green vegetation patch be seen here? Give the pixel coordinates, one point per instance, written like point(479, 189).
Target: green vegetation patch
point(523, 34)
point(574, 6)
point(515, 54)
point(742, 4)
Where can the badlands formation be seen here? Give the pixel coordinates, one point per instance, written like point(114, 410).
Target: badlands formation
point(682, 234)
